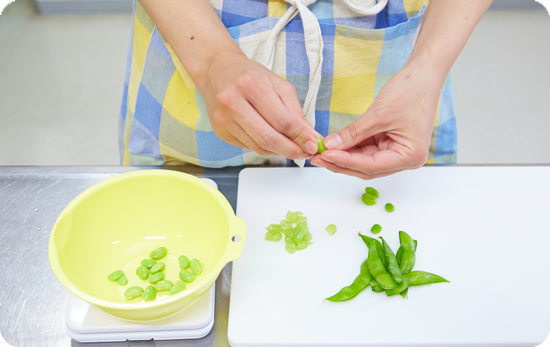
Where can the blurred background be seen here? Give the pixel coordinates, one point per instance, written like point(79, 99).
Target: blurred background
point(62, 66)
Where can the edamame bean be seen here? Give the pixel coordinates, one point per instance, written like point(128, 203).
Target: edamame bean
point(389, 207)
point(142, 272)
point(368, 199)
point(372, 192)
point(184, 262)
point(377, 269)
point(150, 293)
point(148, 263)
point(178, 287)
point(187, 276)
point(133, 292)
point(408, 258)
point(115, 275)
point(273, 236)
point(393, 265)
point(158, 253)
point(157, 267)
point(321, 145)
point(196, 266)
point(419, 278)
point(122, 281)
point(361, 282)
point(164, 285)
point(376, 229)
point(156, 277)
point(331, 229)
point(298, 233)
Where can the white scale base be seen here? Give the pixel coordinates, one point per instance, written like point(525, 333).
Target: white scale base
point(88, 323)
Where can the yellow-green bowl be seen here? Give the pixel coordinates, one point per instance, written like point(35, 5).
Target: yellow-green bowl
point(119, 221)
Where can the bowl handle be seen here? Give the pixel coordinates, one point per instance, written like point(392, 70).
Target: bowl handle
point(237, 236)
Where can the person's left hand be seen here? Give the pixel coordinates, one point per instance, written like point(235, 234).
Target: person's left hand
point(393, 134)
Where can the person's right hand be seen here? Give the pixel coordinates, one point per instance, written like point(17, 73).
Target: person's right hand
point(251, 107)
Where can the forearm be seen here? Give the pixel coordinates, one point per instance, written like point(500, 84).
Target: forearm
point(194, 31)
point(446, 28)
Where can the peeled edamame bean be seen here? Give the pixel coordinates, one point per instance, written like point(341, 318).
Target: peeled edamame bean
point(159, 276)
point(372, 192)
point(389, 207)
point(157, 267)
point(148, 263)
point(150, 293)
point(133, 292)
point(164, 285)
point(369, 199)
point(115, 275)
point(158, 253)
point(178, 287)
point(376, 229)
point(273, 236)
point(321, 145)
point(298, 233)
point(122, 281)
point(184, 262)
point(142, 272)
point(331, 229)
point(187, 276)
point(196, 266)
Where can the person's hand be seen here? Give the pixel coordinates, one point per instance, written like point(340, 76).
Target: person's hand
point(395, 132)
point(251, 107)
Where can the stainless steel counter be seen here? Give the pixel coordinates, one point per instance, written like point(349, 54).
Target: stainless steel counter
point(32, 302)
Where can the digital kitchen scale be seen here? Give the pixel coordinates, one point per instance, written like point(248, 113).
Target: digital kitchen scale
point(88, 323)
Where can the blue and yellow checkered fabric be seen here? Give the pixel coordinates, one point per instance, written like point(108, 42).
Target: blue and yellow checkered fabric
point(163, 118)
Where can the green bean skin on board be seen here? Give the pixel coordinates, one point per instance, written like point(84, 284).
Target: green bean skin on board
point(361, 282)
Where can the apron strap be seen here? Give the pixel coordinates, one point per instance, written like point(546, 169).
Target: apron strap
point(314, 45)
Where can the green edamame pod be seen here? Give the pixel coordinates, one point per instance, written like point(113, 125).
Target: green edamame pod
point(159, 276)
point(133, 292)
point(399, 253)
point(178, 287)
point(393, 265)
point(142, 272)
point(158, 253)
point(409, 257)
point(164, 285)
point(187, 276)
point(115, 275)
point(418, 278)
point(196, 266)
point(375, 286)
point(122, 281)
point(157, 267)
point(368, 241)
point(399, 289)
point(184, 262)
point(377, 268)
point(361, 282)
point(404, 294)
point(150, 293)
point(148, 263)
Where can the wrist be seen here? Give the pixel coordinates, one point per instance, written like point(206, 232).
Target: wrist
point(423, 64)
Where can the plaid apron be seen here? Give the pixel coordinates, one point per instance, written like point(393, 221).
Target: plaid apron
point(352, 50)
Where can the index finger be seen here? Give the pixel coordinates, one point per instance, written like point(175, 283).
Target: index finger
point(280, 107)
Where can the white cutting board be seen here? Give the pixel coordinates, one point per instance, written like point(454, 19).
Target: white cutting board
point(486, 229)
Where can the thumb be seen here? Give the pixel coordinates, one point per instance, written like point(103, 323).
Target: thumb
point(366, 126)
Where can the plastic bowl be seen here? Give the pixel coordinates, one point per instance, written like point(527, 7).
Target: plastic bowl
point(119, 221)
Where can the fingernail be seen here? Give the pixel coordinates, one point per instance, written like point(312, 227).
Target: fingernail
point(333, 141)
point(311, 147)
point(305, 156)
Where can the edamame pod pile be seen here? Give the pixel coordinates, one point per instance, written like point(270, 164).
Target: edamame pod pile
point(387, 272)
